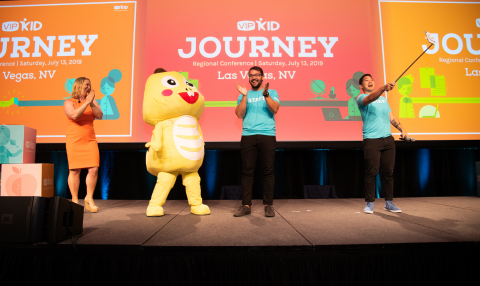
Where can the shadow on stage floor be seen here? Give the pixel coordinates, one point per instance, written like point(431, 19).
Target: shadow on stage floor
point(307, 242)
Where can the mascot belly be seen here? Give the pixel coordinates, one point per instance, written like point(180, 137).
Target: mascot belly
point(182, 147)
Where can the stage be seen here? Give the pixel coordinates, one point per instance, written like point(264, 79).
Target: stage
point(328, 241)
point(298, 224)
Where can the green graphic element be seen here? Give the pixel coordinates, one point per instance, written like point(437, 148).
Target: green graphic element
point(438, 85)
point(192, 81)
point(317, 87)
point(332, 93)
point(107, 103)
point(353, 90)
point(429, 111)
point(405, 85)
point(220, 104)
point(425, 75)
point(445, 100)
point(405, 89)
point(12, 101)
point(326, 102)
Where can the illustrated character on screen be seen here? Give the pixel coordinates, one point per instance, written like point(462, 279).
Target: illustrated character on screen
point(406, 104)
point(173, 105)
point(107, 103)
point(5, 153)
point(353, 90)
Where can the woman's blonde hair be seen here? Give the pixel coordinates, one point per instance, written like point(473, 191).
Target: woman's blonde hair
point(77, 86)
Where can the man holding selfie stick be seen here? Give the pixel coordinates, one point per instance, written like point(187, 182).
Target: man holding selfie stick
point(379, 145)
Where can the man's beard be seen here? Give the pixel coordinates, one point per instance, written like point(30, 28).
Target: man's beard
point(259, 84)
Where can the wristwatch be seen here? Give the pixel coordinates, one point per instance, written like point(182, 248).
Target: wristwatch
point(268, 94)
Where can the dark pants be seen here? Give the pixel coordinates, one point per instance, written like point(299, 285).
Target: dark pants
point(264, 146)
point(379, 153)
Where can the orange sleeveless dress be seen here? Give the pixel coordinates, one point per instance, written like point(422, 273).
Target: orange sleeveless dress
point(82, 147)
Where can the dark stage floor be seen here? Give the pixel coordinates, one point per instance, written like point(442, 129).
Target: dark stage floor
point(309, 242)
point(298, 224)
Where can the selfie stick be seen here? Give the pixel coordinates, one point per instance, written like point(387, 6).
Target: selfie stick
point(431, 40)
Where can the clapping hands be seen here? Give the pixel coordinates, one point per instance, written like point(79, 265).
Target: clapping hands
point(242, 89)
point(90, 97)
point(265, 89)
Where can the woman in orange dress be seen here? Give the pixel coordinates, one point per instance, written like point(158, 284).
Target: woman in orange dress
point(82, 148)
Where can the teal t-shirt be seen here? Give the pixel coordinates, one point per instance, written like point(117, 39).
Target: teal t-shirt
point(376, 117)
point(258, 119)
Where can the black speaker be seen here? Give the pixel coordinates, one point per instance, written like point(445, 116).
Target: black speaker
point(65, 219)
point(36, 219)
point(22, 219)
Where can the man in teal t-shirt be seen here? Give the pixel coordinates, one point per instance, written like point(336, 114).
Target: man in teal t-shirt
point(257, 107)
point(379, 145)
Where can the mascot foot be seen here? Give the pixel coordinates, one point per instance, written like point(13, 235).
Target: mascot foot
point(154, 211)
point(200, 210)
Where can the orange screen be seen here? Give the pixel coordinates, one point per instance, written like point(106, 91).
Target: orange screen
point(45, 47)
point(435, 99)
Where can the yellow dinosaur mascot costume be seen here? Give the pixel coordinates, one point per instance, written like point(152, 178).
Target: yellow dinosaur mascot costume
point(173, 105)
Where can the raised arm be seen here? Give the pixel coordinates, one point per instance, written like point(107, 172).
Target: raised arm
point(397, 125)
point(74, 114)
point(242, 106)
point(70, 110)
point(97, 111)
point(377, 93)
point(272, 105)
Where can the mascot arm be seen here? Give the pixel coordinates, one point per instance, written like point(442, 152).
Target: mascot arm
point(201, 134)
point(156, 142)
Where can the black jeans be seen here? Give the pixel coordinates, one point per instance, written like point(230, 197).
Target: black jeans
point(379, 153)
point(264, 146)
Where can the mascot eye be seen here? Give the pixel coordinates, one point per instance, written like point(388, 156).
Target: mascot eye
point(169, 81)
point(189, 84)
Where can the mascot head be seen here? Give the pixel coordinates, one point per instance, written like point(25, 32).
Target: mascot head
point(169, 95)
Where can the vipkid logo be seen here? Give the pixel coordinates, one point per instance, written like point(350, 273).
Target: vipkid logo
point(120, 8)
point(12, 26)
point(261, 25)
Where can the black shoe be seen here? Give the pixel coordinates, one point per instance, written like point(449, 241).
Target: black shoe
point(243, 210)
point(269, 211)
